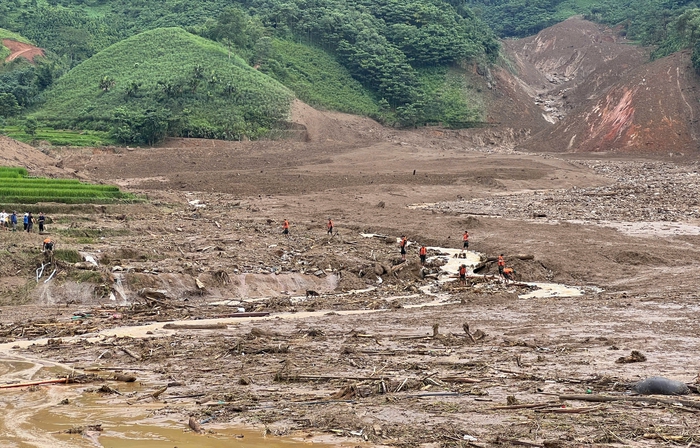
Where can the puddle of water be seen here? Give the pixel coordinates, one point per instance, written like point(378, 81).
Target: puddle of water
point(551, 290)
point(34, 418)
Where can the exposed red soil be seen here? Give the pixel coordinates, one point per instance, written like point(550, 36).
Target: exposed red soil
point(602, 94)
point(20, 49)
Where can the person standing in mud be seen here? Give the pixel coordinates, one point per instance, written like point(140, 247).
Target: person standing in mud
point(13, 221)
point(402, 245)
point(42, 221)
point(26, 221)
point(423, 252)
point(463, 275)
point(501, 265)
point(465, 241)
point(285, 228)
point(330, 226)
point(30, 222)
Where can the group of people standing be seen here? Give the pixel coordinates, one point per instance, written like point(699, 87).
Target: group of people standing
point(504, 272)
point(10, 221)
point(508, 274)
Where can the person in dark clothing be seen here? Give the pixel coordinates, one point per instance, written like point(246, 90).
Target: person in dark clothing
point(402, 245)
point(30, 222)
point(42, 221)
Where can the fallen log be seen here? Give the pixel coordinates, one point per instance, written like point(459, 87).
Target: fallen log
point(457, 379)
point(134, 355)
point(216, 326)
point(157, 393)
point(252, 314)
point(524, 406)
point(569, 410)
point(194, 425)
point(65, 380)
point(606, 398)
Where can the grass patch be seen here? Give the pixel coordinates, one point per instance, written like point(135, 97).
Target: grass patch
point(67, 255)
point(318, 79)
point(12, 172)
point(60, 137)
point(87, 277)
point(53, 208)
point(85, 240)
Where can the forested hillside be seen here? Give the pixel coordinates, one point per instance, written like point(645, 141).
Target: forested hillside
point(404, 63)
point(167, 81)
point(399, 62)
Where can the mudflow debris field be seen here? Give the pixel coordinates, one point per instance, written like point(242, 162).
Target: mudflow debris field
point(224, 322)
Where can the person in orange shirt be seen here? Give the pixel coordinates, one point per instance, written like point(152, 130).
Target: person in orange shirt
point(330, 226)
point(48, 244)
point(402, 245)
point(423, 252)
point(463, 274)
point(501, 265)
point(509, 274)
point(285, 228)
point(465, 241)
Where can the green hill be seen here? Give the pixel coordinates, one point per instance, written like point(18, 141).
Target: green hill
point(166, 82)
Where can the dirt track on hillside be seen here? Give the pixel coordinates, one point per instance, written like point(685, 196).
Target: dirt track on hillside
point(20, 49)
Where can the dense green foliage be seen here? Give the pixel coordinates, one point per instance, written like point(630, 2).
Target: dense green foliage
point(316, 77)
point(166, 81)
point(381, 44)
point(16, 188)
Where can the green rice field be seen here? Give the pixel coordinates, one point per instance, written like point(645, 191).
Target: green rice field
point(17, 188)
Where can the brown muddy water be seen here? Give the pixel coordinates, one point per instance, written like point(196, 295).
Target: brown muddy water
point(41, 416)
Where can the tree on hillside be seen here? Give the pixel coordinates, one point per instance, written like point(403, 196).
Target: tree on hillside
point(236, 28)
point(107, 83)
point(30, 126)
point(75, 43)
point(8, 105)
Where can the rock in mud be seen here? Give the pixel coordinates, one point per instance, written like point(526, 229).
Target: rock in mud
point(657, 385)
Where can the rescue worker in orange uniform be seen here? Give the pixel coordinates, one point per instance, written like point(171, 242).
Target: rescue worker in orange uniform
point(501, 265)
point(285, 227)
point(463, 274)
point(402, 245)
point(509, 274)
point(465, 241)
point(330, 226)
point(423, 252)
point(48, 244)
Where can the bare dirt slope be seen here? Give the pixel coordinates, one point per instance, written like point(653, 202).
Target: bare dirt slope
point(599, 93)
point(20, 49)
point(14, 153)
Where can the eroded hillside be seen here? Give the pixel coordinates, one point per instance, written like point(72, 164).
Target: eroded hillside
point(598, 92)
